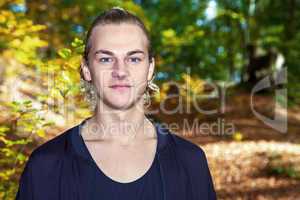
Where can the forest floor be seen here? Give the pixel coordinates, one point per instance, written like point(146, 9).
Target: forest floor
point(257, 163)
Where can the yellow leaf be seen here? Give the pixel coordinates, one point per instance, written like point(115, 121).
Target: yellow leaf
point(41, 132)
point(237, 136)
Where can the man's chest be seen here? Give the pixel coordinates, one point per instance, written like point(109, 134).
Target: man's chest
point(123, 164)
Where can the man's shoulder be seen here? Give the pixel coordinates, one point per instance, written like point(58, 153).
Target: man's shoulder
point(193, 158)
point(186, 145)
point(54, 147)
point(188, 150)
point(194, 161)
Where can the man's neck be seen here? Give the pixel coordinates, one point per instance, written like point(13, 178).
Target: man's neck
point(122, 127)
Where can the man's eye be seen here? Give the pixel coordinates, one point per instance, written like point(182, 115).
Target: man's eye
point(106, 59)
point(135, 59)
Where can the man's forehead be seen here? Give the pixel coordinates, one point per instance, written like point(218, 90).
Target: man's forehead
point(115, 32)
point(121, 41)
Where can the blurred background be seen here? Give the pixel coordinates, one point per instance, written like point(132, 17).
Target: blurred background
point(240, 58)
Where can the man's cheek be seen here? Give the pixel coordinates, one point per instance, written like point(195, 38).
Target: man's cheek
point(140, 86)
point(103, 77)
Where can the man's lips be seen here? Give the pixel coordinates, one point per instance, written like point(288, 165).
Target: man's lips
point(120, 86)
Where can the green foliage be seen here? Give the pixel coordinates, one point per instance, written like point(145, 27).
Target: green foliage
point(285, 171)
point(280, 165)
point(14, 136)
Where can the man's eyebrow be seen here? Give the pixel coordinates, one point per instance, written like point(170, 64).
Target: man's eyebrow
point(104, 52)
point(134, 52)
point(111, 53)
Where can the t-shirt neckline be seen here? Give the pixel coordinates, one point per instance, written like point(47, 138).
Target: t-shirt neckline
point(81, 147)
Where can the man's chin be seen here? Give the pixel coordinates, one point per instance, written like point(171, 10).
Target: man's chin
point(120, 105)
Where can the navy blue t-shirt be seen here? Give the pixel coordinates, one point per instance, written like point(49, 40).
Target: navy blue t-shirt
point(147, 187)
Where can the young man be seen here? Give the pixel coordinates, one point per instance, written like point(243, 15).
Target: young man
point(117, 153)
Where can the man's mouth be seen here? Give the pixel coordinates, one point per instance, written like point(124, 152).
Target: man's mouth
point(120, 87)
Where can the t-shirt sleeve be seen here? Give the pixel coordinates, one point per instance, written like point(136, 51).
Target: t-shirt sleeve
point(203, 182)
point(25, 189)
point(211, 190)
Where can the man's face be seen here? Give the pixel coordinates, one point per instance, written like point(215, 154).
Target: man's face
point(118, 64)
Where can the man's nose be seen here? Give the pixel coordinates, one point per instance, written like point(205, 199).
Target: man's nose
point(120, 70)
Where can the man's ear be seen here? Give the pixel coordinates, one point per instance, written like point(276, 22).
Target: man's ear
point(85, 70)
point(151, 69)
